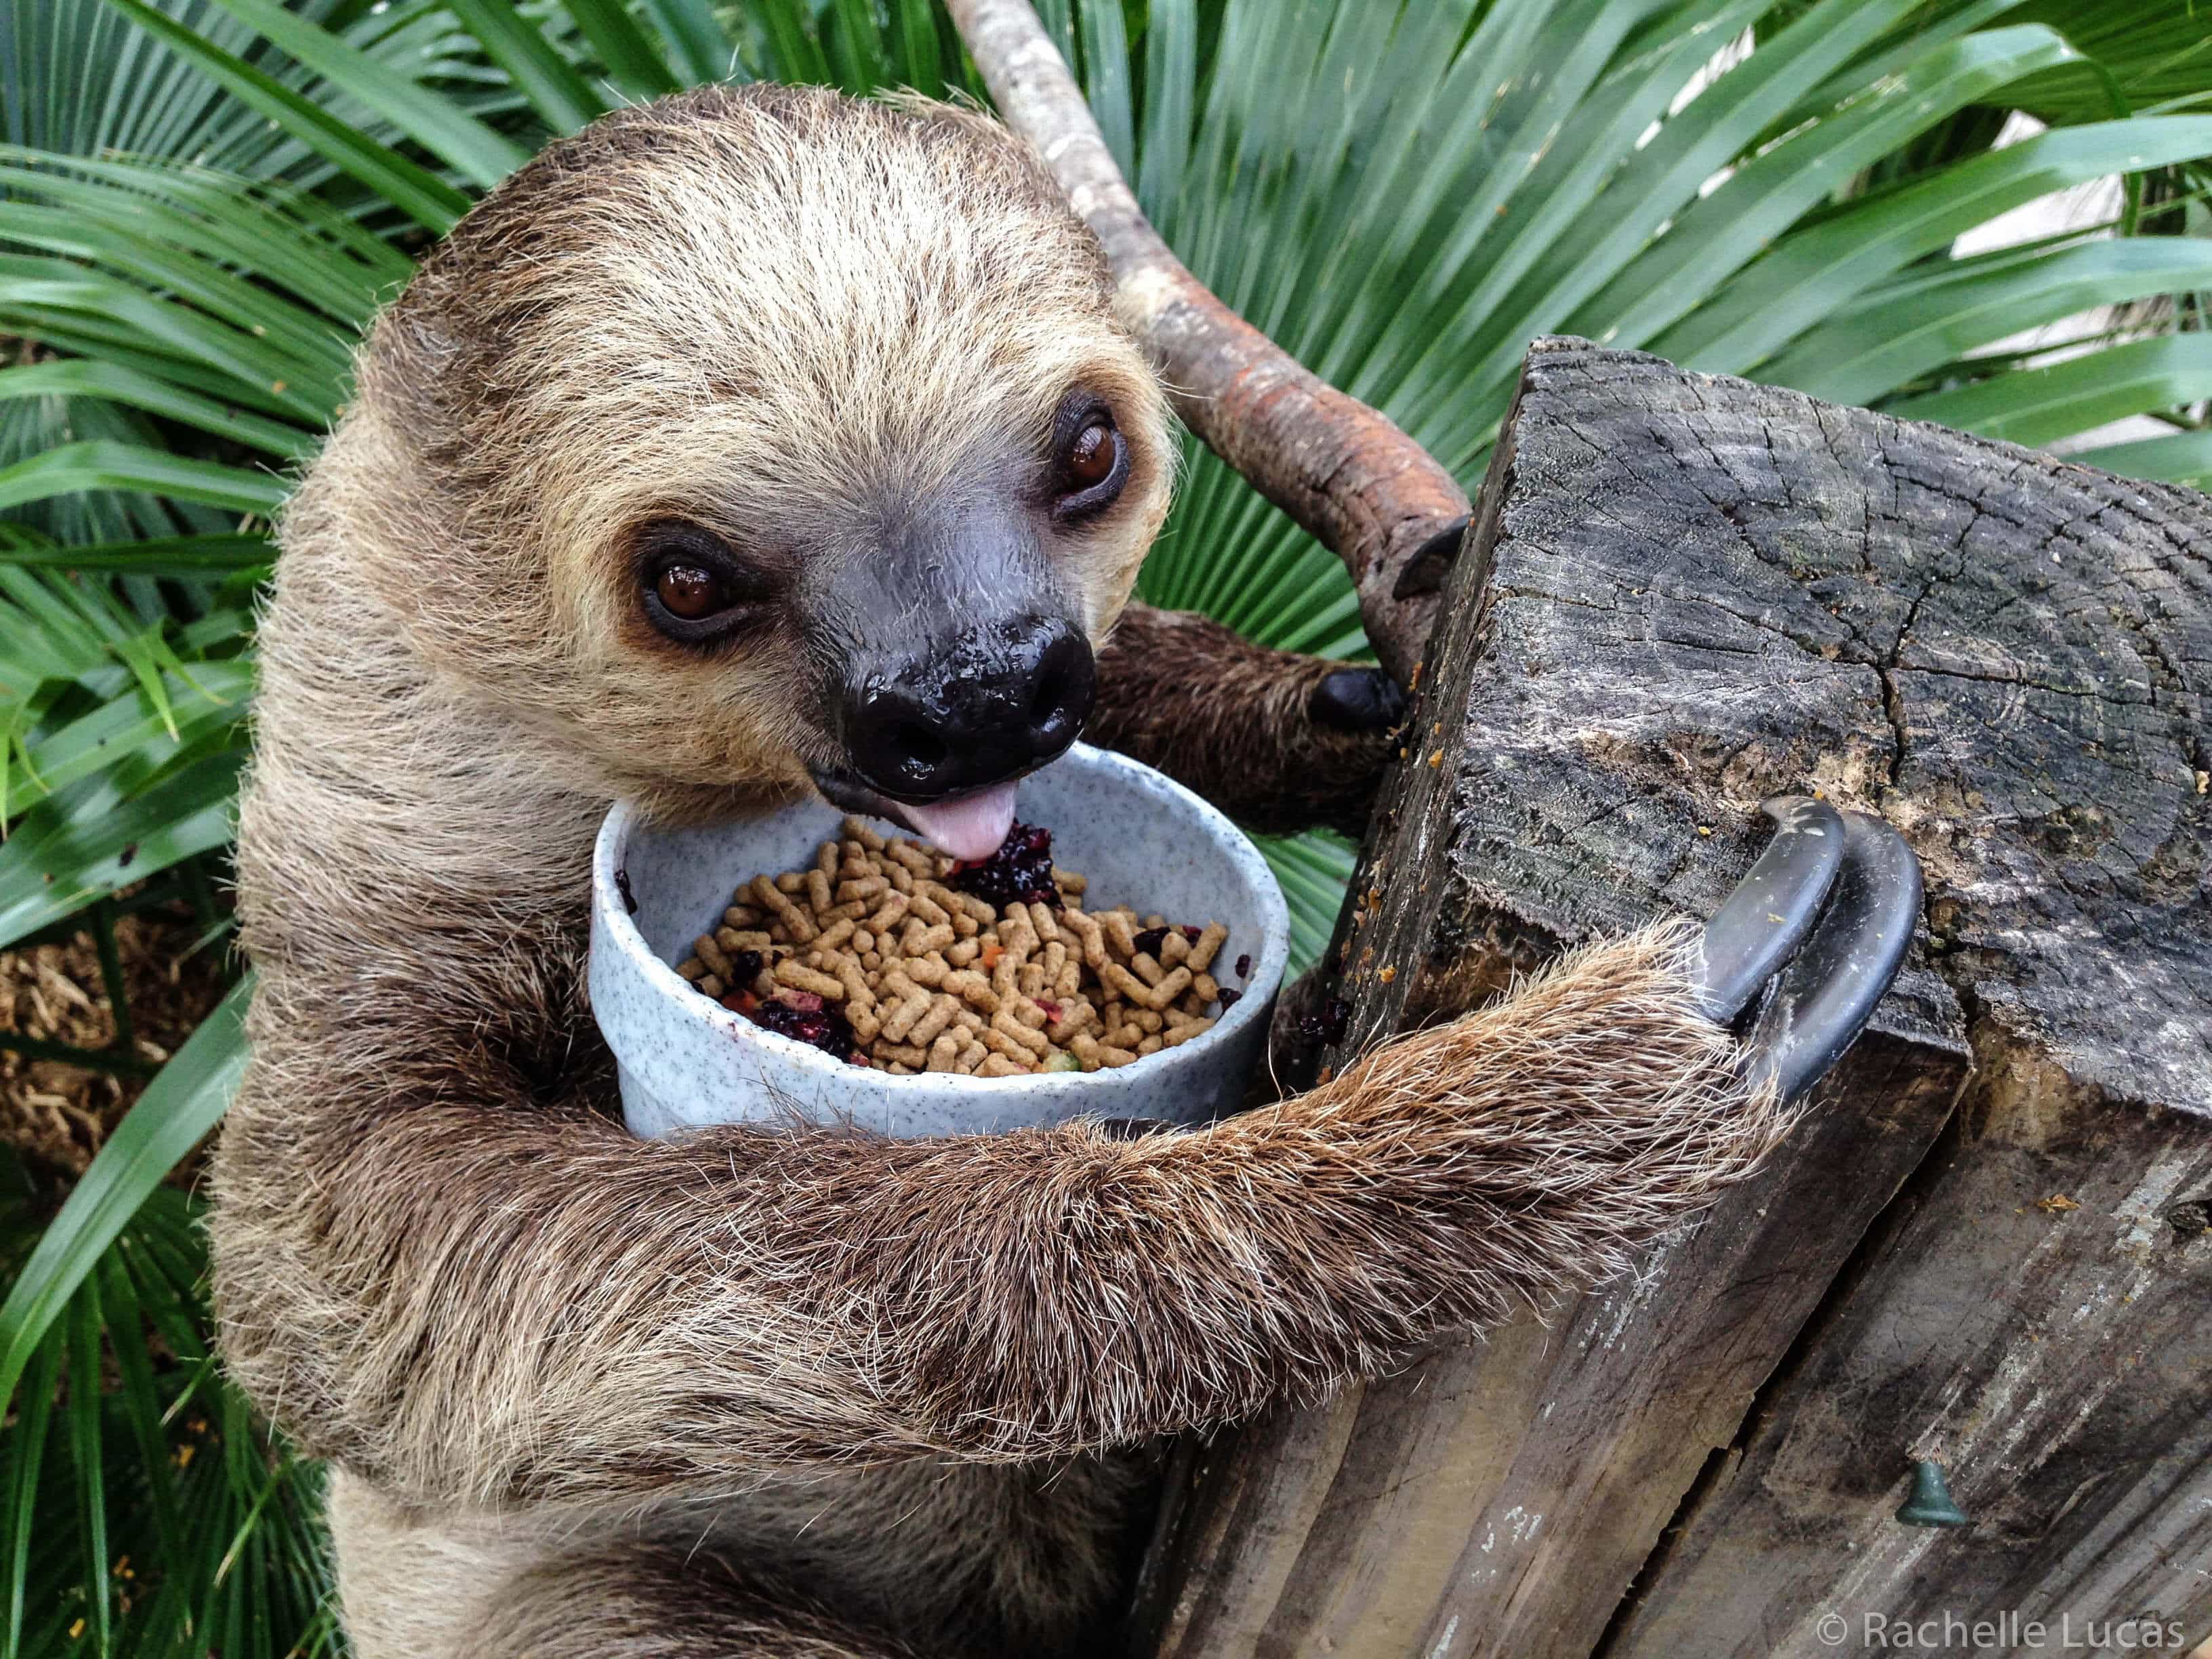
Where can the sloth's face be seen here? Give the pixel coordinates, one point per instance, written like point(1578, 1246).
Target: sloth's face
point(805, 433)
point(922, 634)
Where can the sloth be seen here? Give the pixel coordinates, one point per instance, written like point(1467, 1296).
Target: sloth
point(756, 442)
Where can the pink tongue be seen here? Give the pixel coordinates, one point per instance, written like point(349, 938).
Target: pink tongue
point(967, 826)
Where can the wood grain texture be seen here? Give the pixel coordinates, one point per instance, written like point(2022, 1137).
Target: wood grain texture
point(1683, 594)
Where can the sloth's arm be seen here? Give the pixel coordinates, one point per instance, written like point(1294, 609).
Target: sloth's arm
point(1277, 740)
point(463, 1294)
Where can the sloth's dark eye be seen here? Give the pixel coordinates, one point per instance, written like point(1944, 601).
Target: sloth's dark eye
point(1092, 460)
point(693, 588)
point(689, 590)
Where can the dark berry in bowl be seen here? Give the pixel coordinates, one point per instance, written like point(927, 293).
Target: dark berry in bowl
point(1020, 872)
point(817, 1026)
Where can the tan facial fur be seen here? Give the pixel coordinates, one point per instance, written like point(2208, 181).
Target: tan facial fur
point(751, 309)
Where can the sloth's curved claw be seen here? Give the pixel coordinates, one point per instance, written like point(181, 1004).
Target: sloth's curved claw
point(1822, 999)
point(1761, 925)
point(1357, 699)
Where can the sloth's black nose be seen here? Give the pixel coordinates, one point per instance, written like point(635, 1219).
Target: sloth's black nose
point(986, 710)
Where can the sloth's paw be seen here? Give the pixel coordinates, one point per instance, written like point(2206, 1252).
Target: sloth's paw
point(1356, 700)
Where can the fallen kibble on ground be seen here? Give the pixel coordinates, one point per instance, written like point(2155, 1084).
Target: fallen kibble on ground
point(895, 955)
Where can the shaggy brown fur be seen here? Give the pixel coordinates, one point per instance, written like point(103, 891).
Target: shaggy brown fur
point(908, 1384)
point(1236, 722)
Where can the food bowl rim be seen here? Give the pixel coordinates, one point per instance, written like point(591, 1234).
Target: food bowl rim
point(1268, 962)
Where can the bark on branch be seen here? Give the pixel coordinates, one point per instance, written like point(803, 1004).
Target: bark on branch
point(1343, 471)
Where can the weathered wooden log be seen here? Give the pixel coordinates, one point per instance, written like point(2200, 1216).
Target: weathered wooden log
point(1682, 594)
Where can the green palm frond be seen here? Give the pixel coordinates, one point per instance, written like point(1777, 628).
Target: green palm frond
point(202, 202)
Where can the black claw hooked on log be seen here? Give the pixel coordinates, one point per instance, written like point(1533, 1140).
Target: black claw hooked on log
point(1761, 925)
point(1823, 999)
point(1827, 914)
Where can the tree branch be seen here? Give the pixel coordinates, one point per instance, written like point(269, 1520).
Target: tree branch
point(1343, 471)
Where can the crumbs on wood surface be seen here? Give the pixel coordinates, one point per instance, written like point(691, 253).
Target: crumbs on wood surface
point(894, 955)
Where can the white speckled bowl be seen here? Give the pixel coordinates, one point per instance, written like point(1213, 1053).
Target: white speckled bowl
point(1141, 838)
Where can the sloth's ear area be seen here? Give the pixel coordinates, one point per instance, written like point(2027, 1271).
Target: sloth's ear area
point(1825, 918)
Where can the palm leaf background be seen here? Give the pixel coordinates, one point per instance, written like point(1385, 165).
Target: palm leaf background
point(203, 201)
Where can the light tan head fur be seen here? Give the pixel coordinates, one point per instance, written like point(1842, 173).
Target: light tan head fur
point(780, 313)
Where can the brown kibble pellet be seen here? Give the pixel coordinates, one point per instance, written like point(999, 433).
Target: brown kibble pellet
point(910, 858)
point(790, 972)
point(1210, 939)
point(945, 1053)
point(1151, 1045)
point(913, 1005)
point(1176, 982)
point(1203, 987)
point(1000, 1065)
point(1087, 931)
point(692, 968)
point(712, 986)
point(858, 830)
point(972, 988)
point(773, 899)
point(1120, 938)
point(1042, 920)
point(919, 941)
point(901, 1054)
point(1147, 968)
point(1173, 949)
point(857, 994)
point(741, 915)
point(1075, 1017)
point(866, 887)
point(708, 950)
point(1010, 1022)
point(928, 1027)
